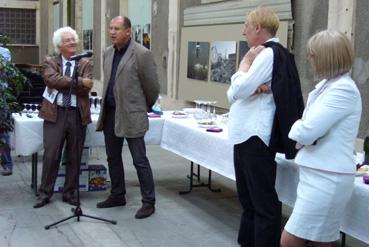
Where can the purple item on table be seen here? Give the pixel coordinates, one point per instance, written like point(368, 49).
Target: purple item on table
point(214, 129)
point(366, 179)
point(153, 115)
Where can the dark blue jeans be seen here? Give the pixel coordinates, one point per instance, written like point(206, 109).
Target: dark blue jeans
point(6, 158)
point(114, 147)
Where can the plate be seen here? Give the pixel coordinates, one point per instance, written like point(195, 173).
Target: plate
point(362, 173)
point(180, 116)
point(207, 125)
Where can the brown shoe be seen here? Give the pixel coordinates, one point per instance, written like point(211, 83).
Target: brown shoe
point(112, 202)
point(41, 201)
point(72, 200)
point(145, 211)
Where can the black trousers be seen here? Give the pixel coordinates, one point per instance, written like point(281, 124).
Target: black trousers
point(114, 147)
point(255, 169)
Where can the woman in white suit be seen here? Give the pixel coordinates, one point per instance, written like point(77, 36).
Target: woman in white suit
point(326, 137)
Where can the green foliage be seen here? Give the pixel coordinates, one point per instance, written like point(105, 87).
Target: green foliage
point(11, 84)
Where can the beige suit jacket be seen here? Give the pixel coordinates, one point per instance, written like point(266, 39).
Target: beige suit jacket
point(135, 90)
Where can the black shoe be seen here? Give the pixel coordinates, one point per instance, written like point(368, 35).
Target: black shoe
point(41, 201)
point(145, 211)
point(112, 202)
point(7, 172)
point(72, 200)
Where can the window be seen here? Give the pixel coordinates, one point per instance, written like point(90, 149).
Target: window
point(19, 25)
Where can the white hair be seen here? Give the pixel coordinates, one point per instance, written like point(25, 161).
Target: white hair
point(57, 37)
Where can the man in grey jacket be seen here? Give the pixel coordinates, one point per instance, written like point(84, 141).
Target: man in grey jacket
point(130, 89)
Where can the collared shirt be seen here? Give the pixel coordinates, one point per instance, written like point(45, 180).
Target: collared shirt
point(73, 99)
point(252, 114)
point(118, 55)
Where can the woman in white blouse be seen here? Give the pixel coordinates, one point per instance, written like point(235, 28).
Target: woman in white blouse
point(326, 137)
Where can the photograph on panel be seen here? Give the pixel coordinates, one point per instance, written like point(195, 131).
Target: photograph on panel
point(198, 60)
point(223, 61)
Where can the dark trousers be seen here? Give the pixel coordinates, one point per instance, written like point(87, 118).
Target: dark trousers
point(6, 158)
point(67, 127)
point(137, 148)
point(255, 169)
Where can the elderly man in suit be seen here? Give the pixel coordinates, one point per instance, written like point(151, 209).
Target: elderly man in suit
point(130, 89)
point(65, 116)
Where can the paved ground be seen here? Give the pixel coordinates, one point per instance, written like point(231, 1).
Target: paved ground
point(201, 218)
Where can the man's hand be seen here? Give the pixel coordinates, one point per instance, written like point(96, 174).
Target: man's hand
point(86, 82)
point(264, 88)
point(49, 90)
point(249, 58)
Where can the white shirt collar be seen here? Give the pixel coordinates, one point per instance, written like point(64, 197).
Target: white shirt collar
point(274, 39)
point(64, 60)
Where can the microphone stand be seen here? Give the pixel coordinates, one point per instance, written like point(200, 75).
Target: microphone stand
point(77, 212)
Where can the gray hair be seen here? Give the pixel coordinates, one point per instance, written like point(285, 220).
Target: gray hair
point(57, 37)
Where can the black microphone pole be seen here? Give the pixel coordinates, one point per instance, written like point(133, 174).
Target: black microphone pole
point(77, 212)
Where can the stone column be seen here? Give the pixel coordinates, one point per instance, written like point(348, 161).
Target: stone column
point(46, 25)
point(341, 16)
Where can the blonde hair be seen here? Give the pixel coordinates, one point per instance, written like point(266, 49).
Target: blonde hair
point(265, 17)
point(57, 37)
point(330, 53)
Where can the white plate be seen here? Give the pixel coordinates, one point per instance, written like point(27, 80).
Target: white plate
point(207, 125)
point(180, 116)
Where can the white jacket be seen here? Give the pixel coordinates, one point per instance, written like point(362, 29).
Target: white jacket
point(331, 119)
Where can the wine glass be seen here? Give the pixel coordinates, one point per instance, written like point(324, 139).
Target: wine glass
point(28, 107)
point(24, 107)
point(33, 108)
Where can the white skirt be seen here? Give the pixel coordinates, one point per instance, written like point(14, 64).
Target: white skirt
point(319, 208)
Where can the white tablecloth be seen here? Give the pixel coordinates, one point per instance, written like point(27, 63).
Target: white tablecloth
point(208, 149)
point(28, 134)
point(211, 150)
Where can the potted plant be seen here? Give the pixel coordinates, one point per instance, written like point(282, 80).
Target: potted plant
point(11, 84)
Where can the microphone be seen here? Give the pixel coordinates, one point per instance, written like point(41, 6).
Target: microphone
point(78, 57)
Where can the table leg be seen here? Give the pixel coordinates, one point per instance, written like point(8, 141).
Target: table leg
point(209, 184)
point(195, 174)
point(200, 184)
point(34, 173)
point(343, 239)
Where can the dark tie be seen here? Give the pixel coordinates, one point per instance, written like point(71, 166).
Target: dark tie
point(66, 96)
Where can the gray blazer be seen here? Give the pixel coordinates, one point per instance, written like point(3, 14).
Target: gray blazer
point(135, 91)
